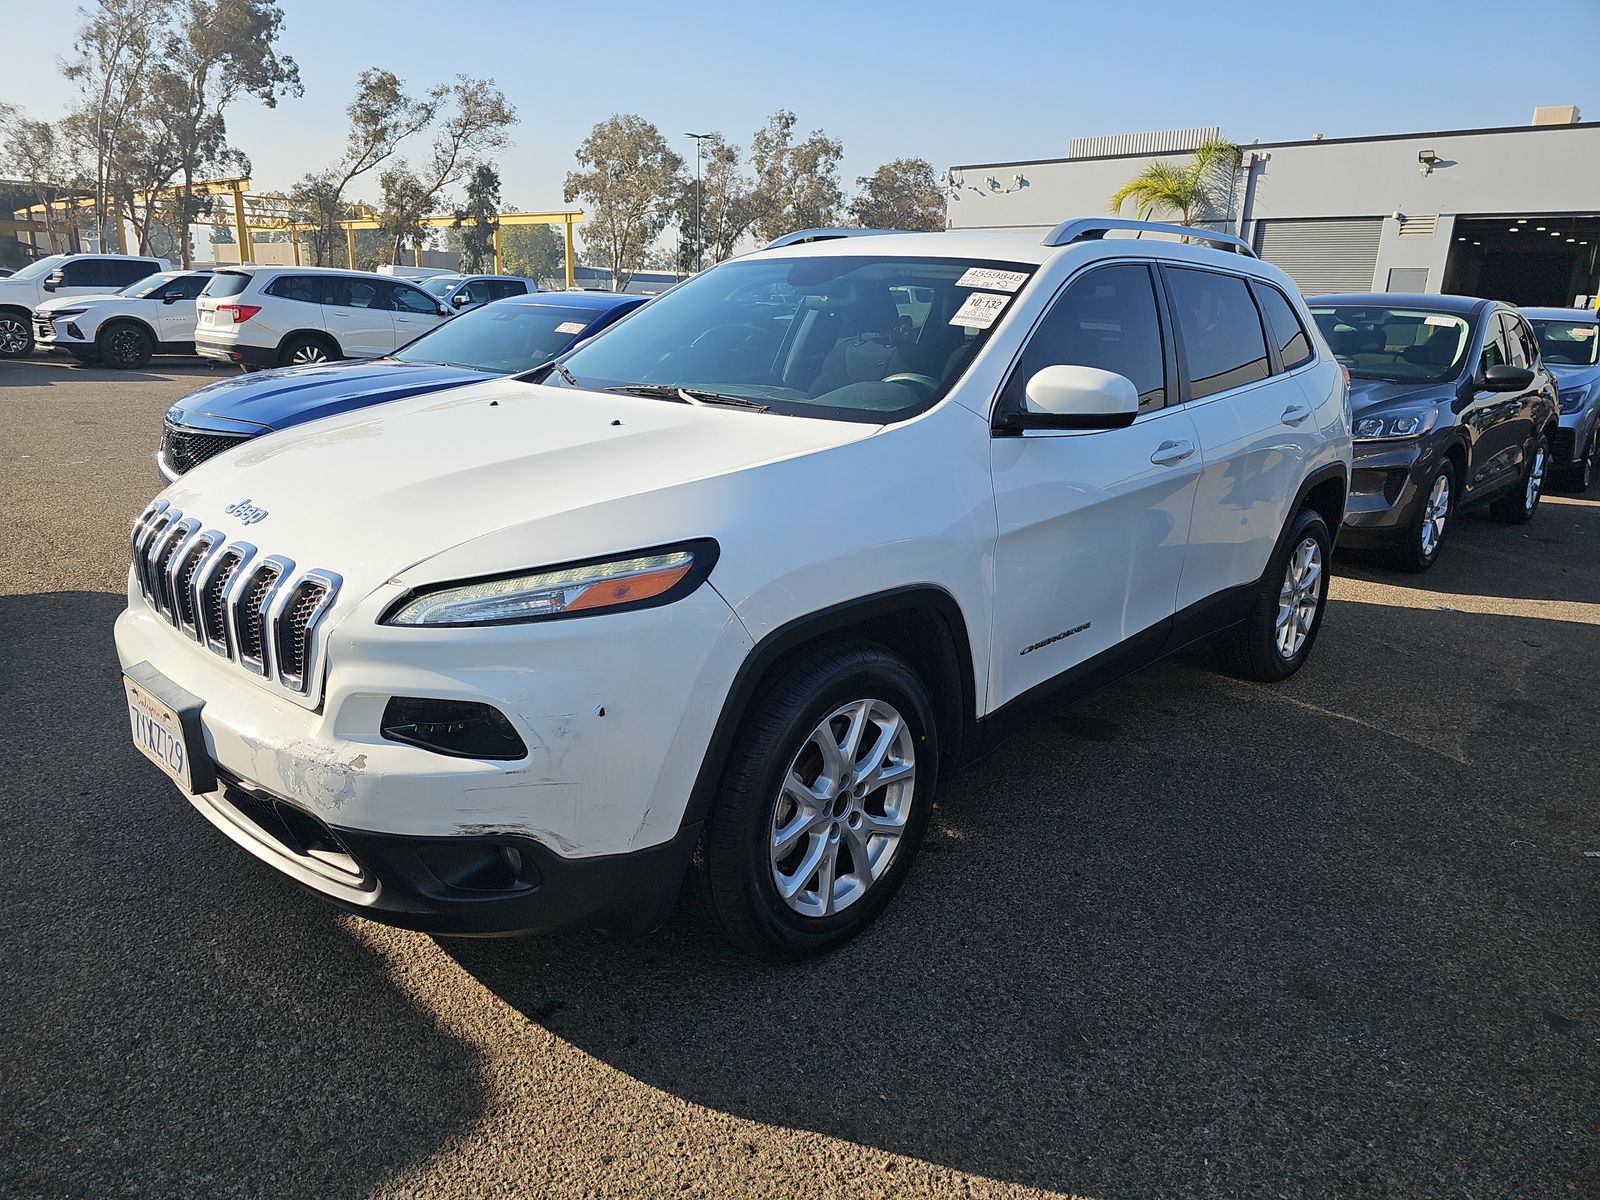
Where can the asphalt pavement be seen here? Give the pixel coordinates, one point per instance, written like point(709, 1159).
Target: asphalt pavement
point(1192, 937)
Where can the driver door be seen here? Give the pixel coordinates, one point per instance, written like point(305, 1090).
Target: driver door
point(1093, 524)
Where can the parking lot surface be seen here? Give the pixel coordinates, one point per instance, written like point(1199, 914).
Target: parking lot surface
point(1192, 937)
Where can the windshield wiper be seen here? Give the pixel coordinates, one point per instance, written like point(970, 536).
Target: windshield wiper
point(542, 372)
point(671, 391)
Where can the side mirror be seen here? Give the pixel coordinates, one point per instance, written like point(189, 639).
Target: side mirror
point(171, 297)
point(446, 311)
point(1507, 378)
point(54, 280)
point(1072, 397)
point(458, 299)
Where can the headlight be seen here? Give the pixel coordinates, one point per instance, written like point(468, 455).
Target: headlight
point(1572, 399)
point(641, 580)
point(64, 312)
point(1396, 425)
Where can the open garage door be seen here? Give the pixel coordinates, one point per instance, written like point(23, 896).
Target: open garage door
point(1549, 259)
point(1332, 254)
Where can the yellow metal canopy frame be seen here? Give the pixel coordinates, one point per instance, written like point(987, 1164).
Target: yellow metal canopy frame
point(272, 214)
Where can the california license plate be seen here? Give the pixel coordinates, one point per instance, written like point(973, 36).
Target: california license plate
point(166, 728)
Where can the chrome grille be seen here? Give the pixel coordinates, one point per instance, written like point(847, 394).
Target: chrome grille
point(256, 612)
point(185, 449)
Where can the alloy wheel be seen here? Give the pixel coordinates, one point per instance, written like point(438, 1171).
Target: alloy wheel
point(13, 335)
point(1299, 597)
point(1435, 515)
point(1530, 499)
point(125, 345)
point(310, 352)
point(1586, 467)
point(841, 811)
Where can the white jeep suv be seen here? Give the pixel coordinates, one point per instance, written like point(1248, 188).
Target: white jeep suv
point(736, 580)
point(286, 316)
point(153, 316)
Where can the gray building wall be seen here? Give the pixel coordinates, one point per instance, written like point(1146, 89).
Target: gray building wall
point(1524, 170)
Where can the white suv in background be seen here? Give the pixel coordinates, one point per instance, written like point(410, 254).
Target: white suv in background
point(280, 316)
point(735, 581)
point(153, 316)
point(63, 275)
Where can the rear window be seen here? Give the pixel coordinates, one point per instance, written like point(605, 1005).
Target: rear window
point(307, 289)
point(1222, 340)
point(227, 283)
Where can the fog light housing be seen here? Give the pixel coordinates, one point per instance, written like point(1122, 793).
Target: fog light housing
point(74, 331)
point(457, 728)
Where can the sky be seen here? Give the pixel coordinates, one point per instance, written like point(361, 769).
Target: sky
point(982, 81)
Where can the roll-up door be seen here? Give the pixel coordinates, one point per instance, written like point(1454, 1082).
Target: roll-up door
point(1323, 254)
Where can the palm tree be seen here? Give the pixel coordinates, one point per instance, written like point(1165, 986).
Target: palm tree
point(1191, 190)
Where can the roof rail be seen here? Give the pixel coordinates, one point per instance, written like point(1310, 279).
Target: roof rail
point(825, 233)
point(1088, 229)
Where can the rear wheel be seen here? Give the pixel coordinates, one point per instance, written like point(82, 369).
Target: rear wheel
point(1518, 506)
point(1275, 640)
point(16, 335)
point(1423, 538)
point(304, 349)
point(124, 345)
point(823, 803)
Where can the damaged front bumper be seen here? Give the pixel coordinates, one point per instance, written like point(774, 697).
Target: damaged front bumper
point(616, 713)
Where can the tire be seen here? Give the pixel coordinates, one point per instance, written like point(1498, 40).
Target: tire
point(812, 704)
point(1521, 503)
point(1580, 475)
point(124, 345)
point(16, 335)
point(1423, 537)
point(303, 349)
point(1294, 587)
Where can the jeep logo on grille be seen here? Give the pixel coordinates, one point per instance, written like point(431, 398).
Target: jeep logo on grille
point(247, 513)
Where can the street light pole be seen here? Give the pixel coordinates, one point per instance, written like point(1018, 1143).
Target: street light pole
point(699, 242)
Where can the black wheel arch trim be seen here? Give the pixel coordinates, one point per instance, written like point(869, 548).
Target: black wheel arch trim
point(316, 335)
point(801, 630)
point(112, 322)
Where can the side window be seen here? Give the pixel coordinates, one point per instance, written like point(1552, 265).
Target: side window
point(82, 272)
point(1520, 334)
point(122, 272)
point(410, 299)
point(1294, 347)
point(477, 292)
point(1495, 352)
point(1107, 319)
point(499, 289)
point(191, 286)
point(1222, 340)
point(1517, 353)
point(304, 288)
point(345, 291)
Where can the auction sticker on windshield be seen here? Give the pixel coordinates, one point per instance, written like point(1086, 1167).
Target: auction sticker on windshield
point(989, 277)
point(980, 310)
point(161, 734)
point(571, 327)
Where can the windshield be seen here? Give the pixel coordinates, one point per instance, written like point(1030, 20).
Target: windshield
point(440, 285)
point(1568, 343)
point(857, 337)
point(146, 286)
point(43, 267)
point(502, 338)
point(1401, 345)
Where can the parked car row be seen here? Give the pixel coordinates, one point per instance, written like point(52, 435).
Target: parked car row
point(719, 590)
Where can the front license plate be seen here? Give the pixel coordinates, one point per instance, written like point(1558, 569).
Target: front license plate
point(165, 723)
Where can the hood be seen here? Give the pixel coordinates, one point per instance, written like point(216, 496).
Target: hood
point(291, 395)
point(56, 303)
point(1569, 375)
point(556, 474)
point(1368, 396)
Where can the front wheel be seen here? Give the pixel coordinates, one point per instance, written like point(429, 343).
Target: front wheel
point(1423, 536)
point(1580, 476)
point(823, 803)
point(1275, 640)
point(16, 336)
point(125, 346)
point(1518, 506)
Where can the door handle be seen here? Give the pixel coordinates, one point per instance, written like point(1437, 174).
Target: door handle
point(1294, 414)
point(1170, 452)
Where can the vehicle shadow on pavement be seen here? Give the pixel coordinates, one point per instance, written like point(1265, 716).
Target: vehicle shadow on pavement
point(176, 1021)
point(44, 370)
point(1193, 937)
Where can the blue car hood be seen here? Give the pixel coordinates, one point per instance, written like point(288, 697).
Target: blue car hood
point(291, 395)
point(1568, 375)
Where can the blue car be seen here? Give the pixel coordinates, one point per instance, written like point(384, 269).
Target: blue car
point(503, 338)
point(1569, 343)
